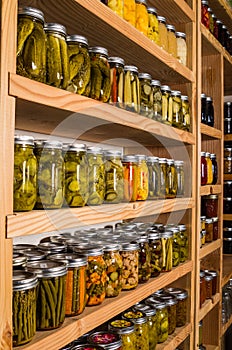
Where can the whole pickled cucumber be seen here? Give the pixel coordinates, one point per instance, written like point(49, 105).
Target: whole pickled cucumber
point(75, 63)
point(24, 29)
point(64, 64)
point(54, 68)
point(96, 82)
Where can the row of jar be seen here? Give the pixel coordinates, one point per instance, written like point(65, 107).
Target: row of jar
point(142, 326)
point(227, 118)
point(215, 26)
point(209, 230)
point(209, 168)
point(48, 174)
point(208, 285)
point(207, 110)
point(227, 302)
point(146, 20)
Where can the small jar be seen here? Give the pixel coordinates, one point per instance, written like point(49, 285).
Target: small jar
point(130, 168)
point(76, 175)
point(209, 286)
point(157, 99)
point(24, 307)
point(150, 313)
point(131, 89)
point(129, 9)
point(203, 169)
point(171, 303)
point(141, 328)
point(144, 259)
point(31, 44)
point(227, 189)
point(142, 178)
point(175, 247)
point(106, 339)
point(25, 174)
point(227, 205)
point(209, 110)
point(57, 61)
point(163, 32)
point(19, 261)
point(50, 312)
point(205, 13)
point(214, 274)
point(186, 121)
point(203, 234)
point(156, 253)
point(50, 175)
point(117, 7)
point(177, 117)
point(181, 307)
point(79, 64)
point(141, 16)
point(181, 48)
point(130, 265)
point(52, 248)
point(215, 228)
point(203, 218)
point(202, 288)
point(163, 176)
point(210, 205)
point(166, 105)
point(171, 184)
point(153, 25)
point(126, 330)
point(227, 245)
point(184, 242)
point(228, 165)
point(179, 166)
point(166, 243)
point(209, 230)
point(227, 152)
point(209, 168)
point(227, 111)
point(116, 80)
point(146, 106)
point(154, 177)
point(161, 317)
point(172, 44)
point(214, 167)
point(99, 59)
point(203, 109)
point(211, 21)
point(96, 175)
point(114, 181)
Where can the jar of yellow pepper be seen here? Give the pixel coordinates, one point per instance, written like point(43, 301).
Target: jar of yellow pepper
point(153, 25)
point(141, 16)
point(129, 11)
point(163, 32)
point(209, 168)
point(142, 178)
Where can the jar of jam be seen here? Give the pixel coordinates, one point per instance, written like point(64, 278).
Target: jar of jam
point(166, 104)
point(163, 176)
point(130, 168)
point(186, 121)
point(171, 189)
point(150, 313)
point(215, 228)
point(141, 16)
point(141, 327)
point(153, 25)
point(166, 243)
point(116, 80)
point(209, 286)
point(96, 175)
point(202, 288)
point(214, 167)
point(171, 303)
point(177, 117)
point(157, 99)
point(129, 9)
point(181, 307)
point(228, 165)
point(227, 189)
point(146, 102)
point(161, 317)
point(106, 339)
point(142, 178)
point(209, 230)
point(131, 99)
point(203, 109)
point(203, 169)
point(210, 205)
point(181, 48)
point(156, 253)
point(205, 13)
point(214, 274)
point(227, 205)
point(114, 181)
point(163, 33)
point(209, 110)
point(172, 44)
point(130, 265)
point(209, 168)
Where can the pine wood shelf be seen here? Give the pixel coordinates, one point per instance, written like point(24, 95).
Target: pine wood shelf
point(227, 269)
point(227, 217)
point(212, 347)
point(211, 189)
point(74, 327)
point(208, 305)
point(175, 339)
point(228, 177)
point(211, 132)
point(208, 248)
point(226, 325)
point(228, 137)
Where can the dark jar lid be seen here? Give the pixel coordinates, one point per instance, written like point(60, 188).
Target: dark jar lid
point(107, 339)
point(23, 280)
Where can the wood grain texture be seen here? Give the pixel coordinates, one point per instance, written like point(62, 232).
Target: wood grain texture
point(208, 305)
point(211, 189)
point(208, 248)
point(229, 136)
point(175, 339)
point(227, 269)
point(211, 132)
point(226, 326)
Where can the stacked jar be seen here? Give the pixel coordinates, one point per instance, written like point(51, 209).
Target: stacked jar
point(209, 169)
point(227, 118)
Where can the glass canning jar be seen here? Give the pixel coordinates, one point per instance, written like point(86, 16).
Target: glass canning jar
point(176, 246)
point(209, 108)
point(215, 228)
point(185, 106)
point(203, 218)
point(228, 109)
point(171, 303)
point(227, 189)
point(153, 25)
point(203, 169)
point(129, 11)
point(19, 261)
point(131, 95)
point(171, 189)
point(227, 152)
point(100, 74)
point(172, 44)
point(31, 44)
point(205, 13)
point(50, 312)
point(96, 175)
point(228, 165)
point(116, 6)
point(106, 339)
point(156, 253)
point(202, 288)
point(76, 175)
point(214, 167)
point(209, 168)
point(227, 245)
point(24, 307)
point(203, 109)
point(144, 259)
point(227, 205)
point(25, 174)
point(203, 234)
point(141, 16)
point(150, 313)
point(130, 265)
point(141, 328)
point(183, 241)
point(146, 105)
point(116, 80)
point(126, 330)
point(181, 307)
point(179, 165)
point(130, 168)
point(209, 230)
point(79, 64)
point(214, 274)
point(215, 26)
point(161, 317)
point(177, 117)
point(166, 105)
point(166, 243)
point(114, 181)
point(50, 186)
point(57, 61)
point(181, 48)
point(210, 205)
point(157, 99)
point(154, 177)
point(142, 178)
point(211, 21)
point(163, 32)
point(209, 286)
point(163, 176)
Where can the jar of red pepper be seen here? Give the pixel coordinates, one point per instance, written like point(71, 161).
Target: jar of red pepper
point(205, 13)
point(203, 169)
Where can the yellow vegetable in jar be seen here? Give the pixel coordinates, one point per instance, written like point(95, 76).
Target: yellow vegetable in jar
point(141, 15)
point(129, 11)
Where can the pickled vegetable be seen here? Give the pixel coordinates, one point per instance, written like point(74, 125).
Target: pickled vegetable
point(114, 181)
point(163, 177)
point(162, 324)
point(171, 303)
point(142, 178)
point(131, 89)
point(130, 178)
point(171, 183)
point(151, 323)
point(186, 113)
point(183, 242)
point(113, 261)
point(166, 243)
point(157, 99)
point(129, 11)
point(179, 165)
point(153, 25)
point(156, 250)
point(175, 247)
point(107, 339)
point(130, 260)
point(166, 105)
point(116, 80)
point(96, 176)
point(141, 16)
point(181, 48)
point(177, 117)
point(141, 328)
point(154, 177)
point(126, 329)
point(146, 96)
point(144, 259)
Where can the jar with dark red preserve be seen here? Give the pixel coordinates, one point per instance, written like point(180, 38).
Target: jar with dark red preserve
point(215, 26)
point(209, 286)
point(203, 169)
point(227, 205)
point(214, 168)
point(210, 205)
point(215, 228)
point(107, 339)
point(87, 347)
point(224, 36)
point(203, 109)
point(205, 13)
point(219, 25)
point(202, 288)
point(214, 274)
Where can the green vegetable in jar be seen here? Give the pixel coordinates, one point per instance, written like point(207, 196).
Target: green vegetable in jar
point(126, 329)
point(171, 183)
point(141, 328)
point(162, 323)
point(114, 180)
point(156, 99)
point(183, 242)
point(156, 253)
point(96, 176)
point(177, 116)
point(154, 175)
point(146, 96)
point(131, 89)
point(166, 243)
point(113, 261)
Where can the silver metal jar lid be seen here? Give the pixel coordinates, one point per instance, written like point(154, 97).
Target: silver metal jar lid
point(94, 150)
point(118, 60)
point(153, 159)
point(20, 248)
point(166, 234)
point(144, 76)
point(70, 259)
point(129, 158)
point(155, 83)
point(179, 293)
point(146, 309)
point(31, 11)
point(99, 49)
point(77, 38)
point(47, 268)
point(76, 147)
point(51, 144)
point(168, 299)
point(181, 35)
point(51, 247)
point(138, 317)
point(55, 27)
point(152, 10)
point(161, 19)
point(129, 246)
point(34, 254)
point(132, 69)
point(23, 280)
point(171, 28)
point(24, 140)
point(122, 326)
point(88, 249)
point(184, 98)
point(19, 259)
point(165, 88)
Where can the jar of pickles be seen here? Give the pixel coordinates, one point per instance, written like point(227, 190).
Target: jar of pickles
point(57, 61)
point(50, 189)
point(163, 33)
point(177, 117)
point(24, 307)
point(142, 178)
point(181, 48)
point(171, 183)
point(171, 303)
point(181, 307)
point(157, 99)
point(129, 11)
point(153, 25)
point(209, 168)
point(186, 121)
point(79, 64)
point(161, 317)
point(130, 165)
point(202, 288)
point(126, 330)
point(107, 339)
point(130, 265)
point(50, 307)
point(116, 80)
point(184, 242)
point(166, 243)
point(100, 74)
point(141, 16)
point(151, 323)
point(154, 177)
point(175, 246)
point(144, 259)
point(166, 105)
point(131, 89)
point(227, 152)
point(114, 180)
point(141, 328)
point(96, 175)
point(76, 175)
point(25, 174)
point(156, 253)
point(214, 168)
point(172, 44)
point(31, 44)
point(146, 103)
point(163, 177)
point(179, 166)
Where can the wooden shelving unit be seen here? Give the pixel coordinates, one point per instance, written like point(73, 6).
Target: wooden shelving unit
point(227, 270)
point(208, 248)
point(208, 305)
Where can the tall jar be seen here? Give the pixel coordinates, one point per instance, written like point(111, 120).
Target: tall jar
point(79, 64)
point(126, 330)
point(163, 177)
point(95, 273)
point(181, 307)
point(153, 25)
point(181, 48)
point(106, 339)
point(184, 242)
point(209, 286)
point(116, 80)
point(157, 99)
point(146, 103)
point(57, 62)
point(131, 89)
point(209, 111)
point(203, 109)
point(76, 281)
point(113, 261)
point(209, 168)
point(202, 288)
point(161, 317)
point(176, 246)
point(203, 169)
point(205, 13)
point(130, 269)
point(130, 168)
point(31, 47)
point(228, 165)
point(214, 274)
point(179, 165)
point(186, 121)
point(76, 175)
point(156, 253)
point(25, 174)
point(24, 307)
point(100, 74)
point(144, 259)
point(114, 182)
point(172, 44)
point(163, 33)
point(177, 117)
point(166, 105)
point(50, 188)
point(142, 178)
point(214, 167)
point(51, 293)
point(117, 6)
point(209, 230)
point(166, 243)
point(171, 303)
point(154, 177)
point(150, 313)
point(215, 228)
point(96, 175)
point(129, 11)
point(211, 20)
point(210, 205)
point(141, 16)
point(141, 328)
point(171, 189)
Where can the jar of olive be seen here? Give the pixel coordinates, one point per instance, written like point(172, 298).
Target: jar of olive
point(100, 74)
point(50, 307)
point(157, 99)
point(166, 243)
point(107, 339)
point(171, 189)
point(50, 188)
point(141, 328)
point(130, 265)
point(25, 174)
point(150, 313)
point(161, 317)
point(163, 177)
point(57, 62)
point(166, 105)
point(24, 307)
point(179, 166)
point(144, 259)
point(114, 182)
point(175, 246)
point(79, 64)
point(163, 33)
point(146, 106)
point(177, 117)
point(154, 177)
point(153, 25)
point(171, 303)
point(126, 330)
point(141, 16)
point(130, 168)
point(31, 44)
point(96, 175)
point(186, 118)
point(116, 80)
point(142, 178)
point(184, 242)
point(156, 253)
point(181, 308)
point(131, 89)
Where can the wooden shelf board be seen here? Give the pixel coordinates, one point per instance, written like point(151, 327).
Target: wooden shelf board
point(225, 326)
point(208, 248)
point(228, 177)
point(50, 110)
point(211, 132)
point(175, 339)
point(227, 269)
point(227, 217)
point(212, 347)
point(102, 27)
point(211, 189)
point(94, 316)
point(38, 221)
point(222, 9)
point(208, 305)
point(228, 137)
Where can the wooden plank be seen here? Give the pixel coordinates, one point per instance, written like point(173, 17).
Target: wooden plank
point(227, 269)
point(208, 248)
point(228, 137)
point(92, 317)
point(211, 132)
point(227, 217)
point(211, 189)
point(175, 339)
point(38, 221)
point(208, 305)
point(228, 177)
point(226, 326)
